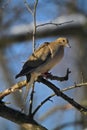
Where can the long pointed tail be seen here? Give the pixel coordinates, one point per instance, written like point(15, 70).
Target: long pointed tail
point(28, 86)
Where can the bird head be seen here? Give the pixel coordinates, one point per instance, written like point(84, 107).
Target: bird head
point(63, 42)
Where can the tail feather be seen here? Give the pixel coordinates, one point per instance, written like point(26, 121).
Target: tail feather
point(23, 72)
point(18, 75)
point(30, 80)
point(28, 86)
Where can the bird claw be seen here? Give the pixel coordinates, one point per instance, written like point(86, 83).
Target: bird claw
point(46, 75)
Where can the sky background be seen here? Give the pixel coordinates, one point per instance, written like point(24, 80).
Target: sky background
point(16, 54)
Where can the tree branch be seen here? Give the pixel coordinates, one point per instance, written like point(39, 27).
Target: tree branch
point(19, 34)
point(74, 86)
point(34, 29)
point(62, 95)
point(53, 23)
point(22, 84)
point(28, 7)
point(52, 95)
point(19, 118)
point(42, 103)
point(12, 89)
point(34, 44)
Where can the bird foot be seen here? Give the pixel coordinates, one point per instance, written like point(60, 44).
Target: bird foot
point(46, 75)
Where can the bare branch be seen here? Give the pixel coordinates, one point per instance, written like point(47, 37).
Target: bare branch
point(22, 84)
point(13, 89)
point(26, 34)
point(35, 5)
point(33, 12)
point(42, 103)
point(34, 44)
point(55, 24)
point(34, 29)
point(28, 7)
point(62, 95)
point(19, 118)
point(52, 95)
point(75, 86)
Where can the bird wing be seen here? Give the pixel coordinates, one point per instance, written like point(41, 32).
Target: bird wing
point(39, 57)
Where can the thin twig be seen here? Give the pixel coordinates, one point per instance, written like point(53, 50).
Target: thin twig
point(34, 29)
point(28, 7)
point(19, 118)
point(74, 86)
point(62, 95)
point(52, 95)
point(55, 24)
point(22, 84)
point(31, 101)
point(50, 76)
point(13, 89)
point(43, 102)
point(34, 44)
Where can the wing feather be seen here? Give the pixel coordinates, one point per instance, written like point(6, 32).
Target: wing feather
point(41, 55)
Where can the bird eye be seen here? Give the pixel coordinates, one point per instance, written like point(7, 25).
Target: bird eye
point(63, 40)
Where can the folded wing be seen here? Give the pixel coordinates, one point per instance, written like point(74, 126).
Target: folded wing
point(39, 57)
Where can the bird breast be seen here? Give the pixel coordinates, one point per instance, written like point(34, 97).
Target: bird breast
point(52, 61)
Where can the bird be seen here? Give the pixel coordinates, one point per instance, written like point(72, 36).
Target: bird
point(43, 60)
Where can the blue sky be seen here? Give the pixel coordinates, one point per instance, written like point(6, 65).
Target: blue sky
point(18, 53)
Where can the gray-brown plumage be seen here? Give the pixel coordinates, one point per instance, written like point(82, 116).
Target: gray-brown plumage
point(43, 59)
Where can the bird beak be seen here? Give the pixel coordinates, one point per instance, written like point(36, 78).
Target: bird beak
point(68, 45)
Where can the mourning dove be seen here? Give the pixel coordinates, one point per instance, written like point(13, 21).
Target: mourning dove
point(43, 59)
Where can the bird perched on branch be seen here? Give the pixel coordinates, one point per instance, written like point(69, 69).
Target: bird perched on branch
point(43, 59)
